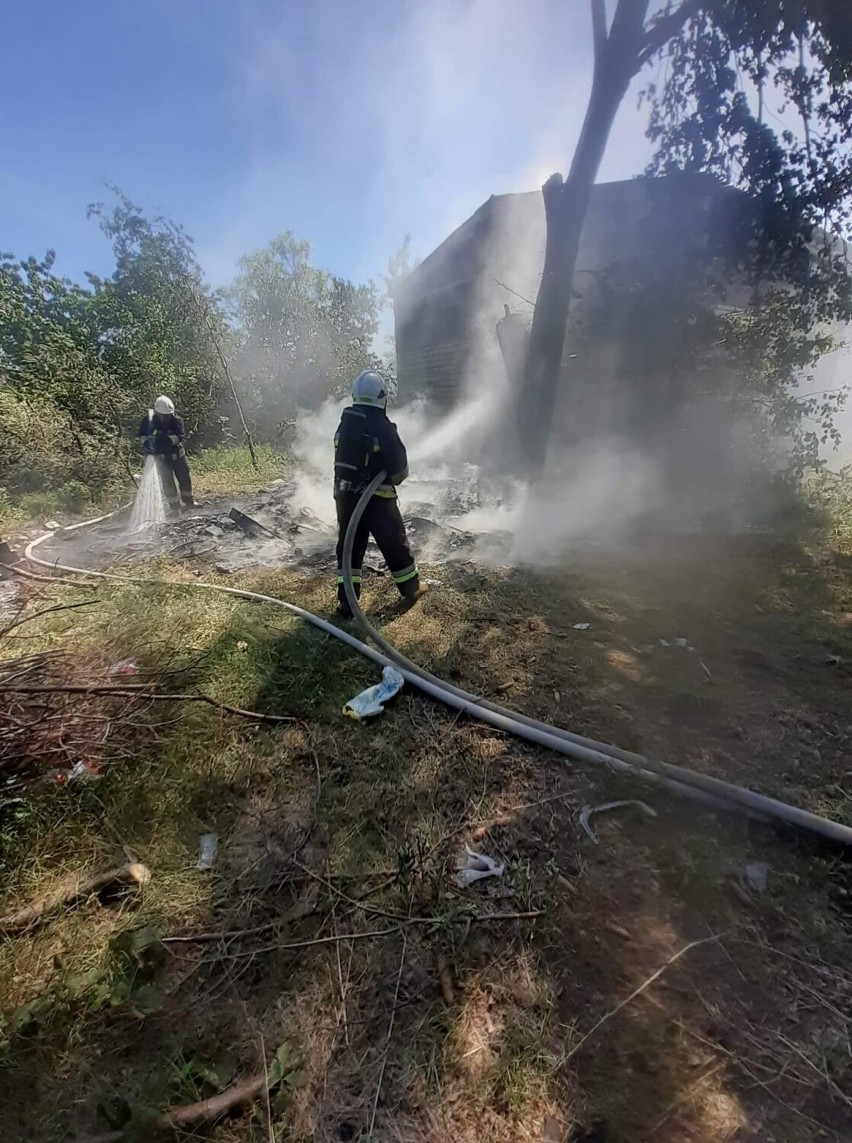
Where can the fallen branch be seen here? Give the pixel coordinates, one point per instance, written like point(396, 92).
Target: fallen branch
point(196, 1114)
point(143, 690)
point(131, 874)
point(337, 937)
point(637, 991)
point(445, 975)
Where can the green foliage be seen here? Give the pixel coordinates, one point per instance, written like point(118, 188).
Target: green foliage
point(80, 364)
point(733, 69)
point(125, 976)
point(157, 322)
point(301, 334)
point(229, 469)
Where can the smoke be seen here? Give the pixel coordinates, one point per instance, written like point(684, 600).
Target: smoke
point(363, 123)
point(444, 88)
point(595, 493)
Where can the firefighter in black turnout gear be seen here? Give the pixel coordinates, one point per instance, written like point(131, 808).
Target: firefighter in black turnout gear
point(162, 436)
point(365, 443)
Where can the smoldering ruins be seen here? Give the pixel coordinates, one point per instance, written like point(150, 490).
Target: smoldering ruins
point(653, 428)
point(654, 419)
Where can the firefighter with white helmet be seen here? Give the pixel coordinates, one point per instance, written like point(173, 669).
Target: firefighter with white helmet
point(365, 443)
point(162, 434)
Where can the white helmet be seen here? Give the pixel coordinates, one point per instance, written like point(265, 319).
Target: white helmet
point(369, 389)
point(164, 405)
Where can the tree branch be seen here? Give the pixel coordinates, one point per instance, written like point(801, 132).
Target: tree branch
point(664, 30)
point(132, 874)
point(599, 29)
point(44, 611)
point(143, 691)
point(204, 1112)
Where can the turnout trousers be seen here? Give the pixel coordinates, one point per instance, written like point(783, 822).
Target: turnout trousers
point(171, 470)
point(383, 521)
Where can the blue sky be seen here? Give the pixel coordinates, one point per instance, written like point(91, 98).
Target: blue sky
point(352, 122)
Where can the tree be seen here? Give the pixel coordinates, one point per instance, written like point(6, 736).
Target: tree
point(703, 119)
point(154, 320)
point(400, 265)
point(301, 333)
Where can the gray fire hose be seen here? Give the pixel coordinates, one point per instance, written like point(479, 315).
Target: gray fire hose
point(710, 792)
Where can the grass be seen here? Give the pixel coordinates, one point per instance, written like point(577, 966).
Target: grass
point(215, 471)
point(329, 830)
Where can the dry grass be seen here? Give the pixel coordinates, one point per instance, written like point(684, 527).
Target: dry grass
point(331, 831)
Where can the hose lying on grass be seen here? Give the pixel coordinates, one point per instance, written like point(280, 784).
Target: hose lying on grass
point(712, 793)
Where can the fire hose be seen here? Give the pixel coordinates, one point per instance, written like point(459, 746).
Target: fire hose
point(712, 793)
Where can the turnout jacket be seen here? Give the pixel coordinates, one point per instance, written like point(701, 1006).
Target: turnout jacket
point(365, 443)
point(163, 434)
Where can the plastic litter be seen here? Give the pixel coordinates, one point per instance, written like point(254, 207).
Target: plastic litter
point(476, 867)
point(756, 876)
point(580, 626)
point(242, 646)
point(208, 844)
point(80, 772)
point(587, 811)
point(370, 702)
point(125, 667)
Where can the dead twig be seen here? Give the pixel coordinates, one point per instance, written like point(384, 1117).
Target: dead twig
point(143, 690)
point(390, 1032)
point(44, 611)
point(445, 975)
point(131, 874)
point(638, 991)
point(407, 922)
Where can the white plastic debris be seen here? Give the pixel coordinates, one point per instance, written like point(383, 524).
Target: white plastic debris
point(125, 667)
point(208, 843)
point(476, 867)
point(756, 876)
point(587, 811)
point(580, 626)
point(371, 702)
point(81, 771)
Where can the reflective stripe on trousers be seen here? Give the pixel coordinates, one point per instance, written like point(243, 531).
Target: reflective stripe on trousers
point(406, 574)
point(356, 576)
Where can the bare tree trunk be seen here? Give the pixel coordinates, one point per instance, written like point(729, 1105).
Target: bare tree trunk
point(223, 361)
point(565, 207)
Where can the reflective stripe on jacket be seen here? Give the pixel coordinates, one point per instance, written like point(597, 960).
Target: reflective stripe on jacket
point(365, 443)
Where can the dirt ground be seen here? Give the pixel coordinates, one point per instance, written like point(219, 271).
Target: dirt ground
point(645, 988)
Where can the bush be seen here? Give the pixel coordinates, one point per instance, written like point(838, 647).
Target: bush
point(38, 506)
point(73, 497)
point(224, 470)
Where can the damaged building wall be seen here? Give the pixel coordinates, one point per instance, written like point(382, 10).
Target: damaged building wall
point(638, 233)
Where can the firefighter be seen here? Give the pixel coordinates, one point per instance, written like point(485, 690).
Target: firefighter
point(365, 443)
point(162, 436)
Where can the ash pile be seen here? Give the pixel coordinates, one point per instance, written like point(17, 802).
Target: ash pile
point(273, 528)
